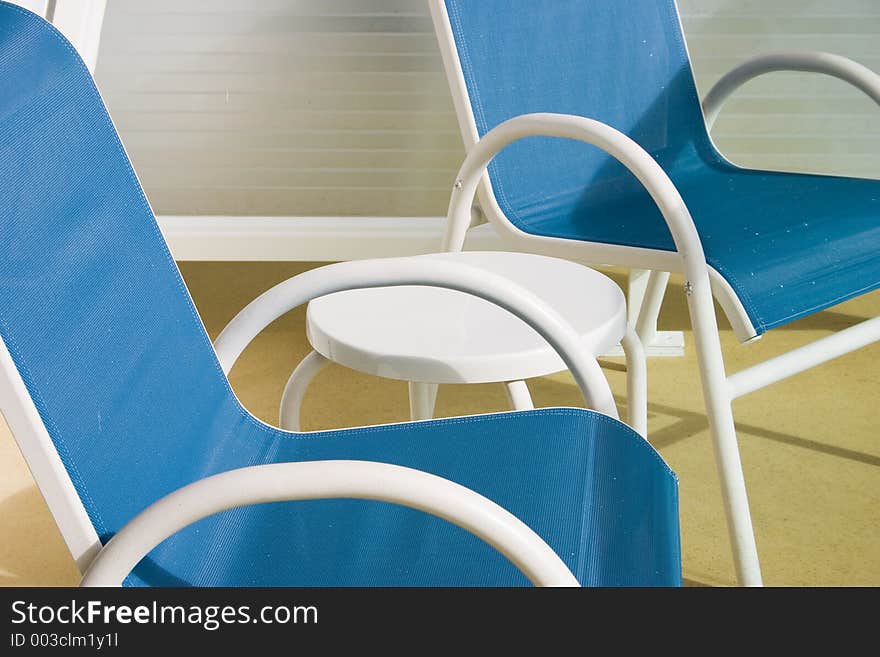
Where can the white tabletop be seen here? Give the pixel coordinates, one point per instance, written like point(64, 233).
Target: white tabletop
point(433, 335)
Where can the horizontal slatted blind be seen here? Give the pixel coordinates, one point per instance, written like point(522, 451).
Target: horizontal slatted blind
point(790, 121)
point(340, 107)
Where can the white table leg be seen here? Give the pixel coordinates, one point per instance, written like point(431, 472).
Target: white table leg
point(295, 390)
point(519, 396)
point(422, 397)
point(645, 292)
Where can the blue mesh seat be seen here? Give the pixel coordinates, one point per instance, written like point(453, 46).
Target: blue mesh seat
point(788, 244)
point(109, 346)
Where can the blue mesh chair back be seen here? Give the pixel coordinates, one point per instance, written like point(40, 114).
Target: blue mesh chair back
point(105, 336)
point(788, 244)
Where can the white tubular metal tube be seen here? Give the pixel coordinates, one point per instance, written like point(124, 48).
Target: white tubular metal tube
point(422, 400)
point(646, 324)
point(700, 302)
point(803, 358)
point(325, 480)
point(614, 142)
point(417, 270)
point(636, 381)
point(519, 396)
point(636, 287)
point(807, 61)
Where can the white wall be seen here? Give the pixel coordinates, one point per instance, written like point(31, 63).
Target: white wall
point(340, 107)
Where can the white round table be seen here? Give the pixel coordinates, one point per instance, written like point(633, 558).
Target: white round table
point(430, 336)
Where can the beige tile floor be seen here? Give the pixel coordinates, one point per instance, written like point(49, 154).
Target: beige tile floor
point(811, 445)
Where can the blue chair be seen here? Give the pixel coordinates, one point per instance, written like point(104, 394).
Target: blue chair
point(117, 400)
point(564, 77)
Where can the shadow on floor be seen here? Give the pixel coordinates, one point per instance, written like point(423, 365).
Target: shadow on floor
point(690, 423)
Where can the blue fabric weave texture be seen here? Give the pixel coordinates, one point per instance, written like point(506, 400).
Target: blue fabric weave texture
point(110, 347)
point(789, 244)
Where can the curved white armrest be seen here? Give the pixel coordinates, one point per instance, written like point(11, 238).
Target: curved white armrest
point(656, 182)
point(421, 270)
point(808, 61)
point(615, 143)
point(324, 480)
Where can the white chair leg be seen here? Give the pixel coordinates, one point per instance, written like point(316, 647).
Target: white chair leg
point(518, 395)
point(721, 424)
point(295, 390)
point(636, 284)
point(649, 306)
point(636, 381)
point(422, 397)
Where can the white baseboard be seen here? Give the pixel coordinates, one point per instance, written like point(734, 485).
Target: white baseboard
point(309, 239)
point(331, 239)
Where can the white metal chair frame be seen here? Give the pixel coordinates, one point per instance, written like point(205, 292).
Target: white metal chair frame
point(702, 281)
point(284, 482)
point(291, 481)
